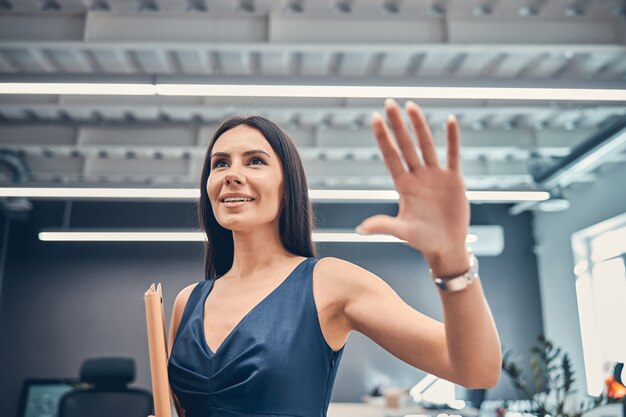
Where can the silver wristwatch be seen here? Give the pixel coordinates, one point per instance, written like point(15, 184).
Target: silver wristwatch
point(460, 282)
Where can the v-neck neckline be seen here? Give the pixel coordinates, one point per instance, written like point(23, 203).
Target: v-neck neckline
point(212, 281)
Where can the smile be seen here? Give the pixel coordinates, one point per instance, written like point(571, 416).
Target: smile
point(236, 203)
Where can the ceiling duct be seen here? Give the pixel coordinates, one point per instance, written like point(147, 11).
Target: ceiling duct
point(584, 158)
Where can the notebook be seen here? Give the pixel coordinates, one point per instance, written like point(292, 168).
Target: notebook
point(157, 343)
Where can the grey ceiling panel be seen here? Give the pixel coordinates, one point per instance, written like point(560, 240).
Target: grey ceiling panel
point(132, 140)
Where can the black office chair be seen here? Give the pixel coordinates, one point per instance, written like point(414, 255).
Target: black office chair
point(106, 394)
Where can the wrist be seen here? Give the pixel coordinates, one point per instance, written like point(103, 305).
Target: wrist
point(451, 262)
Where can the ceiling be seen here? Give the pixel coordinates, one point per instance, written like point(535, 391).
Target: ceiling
point(78, 140)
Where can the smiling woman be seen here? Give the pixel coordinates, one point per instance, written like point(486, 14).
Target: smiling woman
point(250, 155)
point(259, 255)
point(264, 332)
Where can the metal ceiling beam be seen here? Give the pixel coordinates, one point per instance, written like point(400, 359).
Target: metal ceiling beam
point(323, 114)
point(583, 63)
point(280, 27)
point(550, 48)
point(587, 156)
point(582, 160)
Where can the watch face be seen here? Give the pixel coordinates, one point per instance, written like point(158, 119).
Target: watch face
point(454, 284)
point(473, 264)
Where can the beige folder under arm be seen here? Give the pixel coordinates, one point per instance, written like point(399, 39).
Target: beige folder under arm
point(157, 343)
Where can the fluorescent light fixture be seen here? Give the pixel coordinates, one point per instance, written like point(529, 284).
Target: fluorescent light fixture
point(319, 196)
point(484, 240)
point(339, 91)
point(353, 195)
point(190, 236)
point(507, 196)
point(98, 89)
point(355, 237)
point(327, 91)
point(121, 236)
point(107, 193)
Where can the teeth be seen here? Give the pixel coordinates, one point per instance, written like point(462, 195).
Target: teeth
point(229, 200)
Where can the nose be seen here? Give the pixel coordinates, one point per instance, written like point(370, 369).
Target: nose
point(229, 178)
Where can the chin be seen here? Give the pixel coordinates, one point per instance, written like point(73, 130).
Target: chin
point(250, 223)
point(238, 225)
point(231, 225)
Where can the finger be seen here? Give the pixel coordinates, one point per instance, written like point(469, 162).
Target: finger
point(392, 159)
point(424, 135)
point(402, 135)
point(381, 224)
point(454, 140)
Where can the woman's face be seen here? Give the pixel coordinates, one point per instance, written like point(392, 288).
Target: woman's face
point(257, 174)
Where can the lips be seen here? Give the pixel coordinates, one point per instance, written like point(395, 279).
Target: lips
point(237, 203)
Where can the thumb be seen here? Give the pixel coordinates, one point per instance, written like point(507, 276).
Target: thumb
point(379, 224)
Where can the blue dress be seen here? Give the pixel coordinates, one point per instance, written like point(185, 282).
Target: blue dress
point(275, 362)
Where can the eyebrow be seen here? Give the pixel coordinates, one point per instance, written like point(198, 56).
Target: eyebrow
point(246, 153)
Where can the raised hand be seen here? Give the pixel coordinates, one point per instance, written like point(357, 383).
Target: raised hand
point(434, 212)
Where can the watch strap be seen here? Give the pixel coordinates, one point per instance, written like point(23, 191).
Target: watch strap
point(459, 282)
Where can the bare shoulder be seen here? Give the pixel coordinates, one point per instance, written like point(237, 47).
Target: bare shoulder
point(183, 297)
point(345, 274)
point(346, 281)
point(185, 292)
point(353, 288)
point(336, 267)
point(179, 304)
point(177, 310)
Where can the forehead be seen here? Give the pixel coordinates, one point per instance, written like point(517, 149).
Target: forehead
point(240, 139)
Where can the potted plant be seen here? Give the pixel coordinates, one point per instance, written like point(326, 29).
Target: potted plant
point(553, 379)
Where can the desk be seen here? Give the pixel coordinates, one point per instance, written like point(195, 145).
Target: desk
point(336, 409)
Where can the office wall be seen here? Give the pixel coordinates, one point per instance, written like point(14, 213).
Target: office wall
point(64, 302)
point(591, 203)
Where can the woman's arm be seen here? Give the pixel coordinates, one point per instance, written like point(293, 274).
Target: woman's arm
point(465, 350)
point(433, 218)
point(472, 337)
point(177, 313)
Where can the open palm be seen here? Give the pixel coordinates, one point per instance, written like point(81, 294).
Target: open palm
point(433, 209)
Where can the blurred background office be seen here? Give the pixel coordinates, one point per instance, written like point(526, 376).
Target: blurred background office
point(101, 96)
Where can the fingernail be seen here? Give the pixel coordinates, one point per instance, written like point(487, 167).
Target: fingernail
point(409, 103)
point(375, 115)
point(389, 102)
point(358, 230)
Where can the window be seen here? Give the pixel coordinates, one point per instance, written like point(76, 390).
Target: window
point(599, 257)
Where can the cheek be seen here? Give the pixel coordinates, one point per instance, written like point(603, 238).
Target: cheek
point(211, 186)
point(274, 187)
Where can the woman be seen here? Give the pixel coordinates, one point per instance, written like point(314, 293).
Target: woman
point(263, 334)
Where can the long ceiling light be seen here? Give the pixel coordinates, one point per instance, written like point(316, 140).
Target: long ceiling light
point(98, 89)
point(319, 196)
point(457, 93)
point(189, 236)
point(328, 91)
point(484, 239)
point(105, 193)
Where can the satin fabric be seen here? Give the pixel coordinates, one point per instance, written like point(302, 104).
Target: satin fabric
point(275, 362)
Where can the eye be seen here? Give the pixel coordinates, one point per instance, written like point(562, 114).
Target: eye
point(216, 163)
point(257, 159)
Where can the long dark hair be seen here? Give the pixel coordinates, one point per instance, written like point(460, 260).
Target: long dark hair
point(296, 219)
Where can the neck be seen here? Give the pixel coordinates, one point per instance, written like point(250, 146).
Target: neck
point(256, 251)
